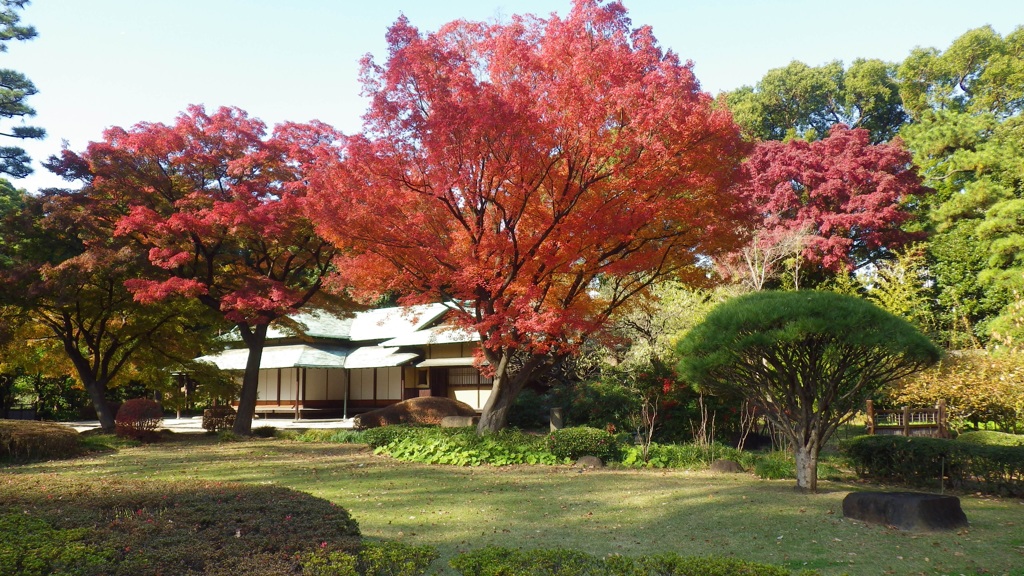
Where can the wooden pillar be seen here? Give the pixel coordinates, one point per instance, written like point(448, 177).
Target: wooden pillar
point(871, 417)
point(348, 383)
point(278, 386)
point(943, 428)
point(906, 421)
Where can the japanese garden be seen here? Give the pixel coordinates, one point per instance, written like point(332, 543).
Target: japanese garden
point(554, 309)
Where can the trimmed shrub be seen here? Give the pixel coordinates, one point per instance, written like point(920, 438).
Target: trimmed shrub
point(23, 440)
point(183, 527)
point(497, 561)
point(991, 438)
point(572, 443)
point(395, 559)
point(219, 418)
point(929, 461)
point(138, 419)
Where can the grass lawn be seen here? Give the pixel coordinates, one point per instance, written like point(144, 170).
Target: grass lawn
point(599, 512)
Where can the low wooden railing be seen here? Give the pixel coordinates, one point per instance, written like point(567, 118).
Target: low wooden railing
point(909, 421)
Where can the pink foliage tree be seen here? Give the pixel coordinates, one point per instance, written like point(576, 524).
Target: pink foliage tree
point(847, 200)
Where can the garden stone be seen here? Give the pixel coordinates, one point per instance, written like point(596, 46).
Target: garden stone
point(459, 421)
point(589, 462)
point(906, 510)
point(726, 467)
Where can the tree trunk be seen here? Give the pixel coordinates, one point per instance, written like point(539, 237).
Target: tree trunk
point(255, 338)
point(505, 387)
point(96, 388)
point(807, 467)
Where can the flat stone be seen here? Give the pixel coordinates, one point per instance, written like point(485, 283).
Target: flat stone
point(459, 421)
point(906, 510)
point(726, 467)
point(589, 462)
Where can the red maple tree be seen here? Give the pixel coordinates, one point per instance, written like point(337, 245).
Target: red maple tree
point(221, 208)
point(538, 174)
point(848, 199)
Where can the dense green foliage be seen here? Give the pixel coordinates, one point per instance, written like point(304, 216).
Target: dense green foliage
point(23, 440)
point(372, 559)
point(571, 443)
point(15, 89)
point(460, 446)
point(497, 561)
point(807, 360)
point(991, 438)
point(936, 462)
point(801, 101)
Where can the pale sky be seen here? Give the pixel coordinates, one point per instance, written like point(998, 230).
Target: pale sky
point(102, 63)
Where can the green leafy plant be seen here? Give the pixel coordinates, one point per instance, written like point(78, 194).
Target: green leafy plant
point(579, 441)
point(498, 561)
point(264, 431)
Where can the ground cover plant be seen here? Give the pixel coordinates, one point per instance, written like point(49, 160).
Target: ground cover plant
point(628, 512)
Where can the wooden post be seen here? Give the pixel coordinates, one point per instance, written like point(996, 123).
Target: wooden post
point(906, 421)
point(871, 417)
point(943, 429)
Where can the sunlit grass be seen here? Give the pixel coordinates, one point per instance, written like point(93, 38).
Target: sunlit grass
point(599, 512)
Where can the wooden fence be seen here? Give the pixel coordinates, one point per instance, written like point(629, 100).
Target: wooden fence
point(909, 421)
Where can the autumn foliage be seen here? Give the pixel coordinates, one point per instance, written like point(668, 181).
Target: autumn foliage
point(219, 206)
point(846, 197)
point(978, 387)
point(539, 172)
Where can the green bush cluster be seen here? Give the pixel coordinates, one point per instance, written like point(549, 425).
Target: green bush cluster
point(692, 456)
point(138, 419)
point(497, 561)
point(383, 558)
point(927, 461)
point(991, 438)
point(23, 440)
point(464, 447)
point(384, 435)
point(572, 443)
point(341, 436)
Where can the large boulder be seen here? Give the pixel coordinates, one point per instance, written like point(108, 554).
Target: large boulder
point(906, 510)
point(425, 410)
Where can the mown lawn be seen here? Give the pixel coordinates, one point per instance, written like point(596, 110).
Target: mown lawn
point(599, 512)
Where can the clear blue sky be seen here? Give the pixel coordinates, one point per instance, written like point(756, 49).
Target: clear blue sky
point(102, 63)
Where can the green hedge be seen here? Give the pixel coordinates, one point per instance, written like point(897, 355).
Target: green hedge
point(923, 461)
point(573, 443)
point(991, 438)
point(497, 561)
